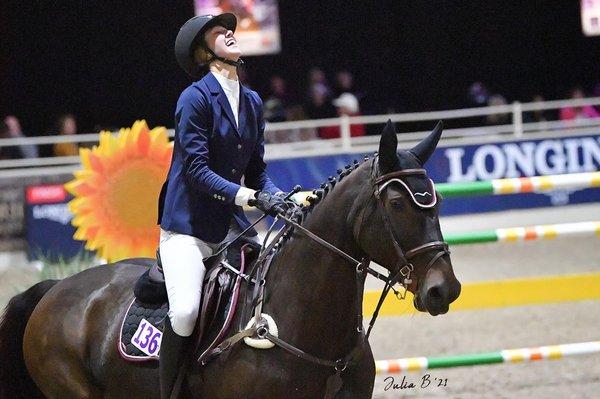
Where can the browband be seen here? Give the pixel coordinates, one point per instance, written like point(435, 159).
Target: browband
point(404, 172)
point(396, 177)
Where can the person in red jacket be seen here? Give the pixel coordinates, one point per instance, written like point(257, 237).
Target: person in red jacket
point(346, 104)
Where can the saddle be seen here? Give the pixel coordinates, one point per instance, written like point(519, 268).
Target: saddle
point(143, 322)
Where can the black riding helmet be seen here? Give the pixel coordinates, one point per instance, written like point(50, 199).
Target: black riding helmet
point(191, 35)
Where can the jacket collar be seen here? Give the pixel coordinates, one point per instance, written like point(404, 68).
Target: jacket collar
point(215, 88)
point(213, 83)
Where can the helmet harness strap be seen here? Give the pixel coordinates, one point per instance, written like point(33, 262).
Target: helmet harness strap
point(214, 56)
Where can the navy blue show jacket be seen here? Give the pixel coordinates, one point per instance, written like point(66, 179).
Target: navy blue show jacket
point(210, 156)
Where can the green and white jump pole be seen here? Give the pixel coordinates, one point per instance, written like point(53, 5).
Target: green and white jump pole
point(504, 356)
point(534, 184)
point(528, 233)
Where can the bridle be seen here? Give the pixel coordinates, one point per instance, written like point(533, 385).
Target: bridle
point(403, 266)
point(399, 274)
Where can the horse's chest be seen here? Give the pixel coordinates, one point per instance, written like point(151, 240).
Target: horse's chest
point(263, 374)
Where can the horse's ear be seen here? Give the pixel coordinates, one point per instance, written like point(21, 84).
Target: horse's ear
point(388, 159)
point(425, 148)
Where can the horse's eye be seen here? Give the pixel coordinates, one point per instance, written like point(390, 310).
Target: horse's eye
point(396, 203)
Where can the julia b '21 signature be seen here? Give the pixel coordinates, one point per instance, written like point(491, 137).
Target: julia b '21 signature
point(424, 382)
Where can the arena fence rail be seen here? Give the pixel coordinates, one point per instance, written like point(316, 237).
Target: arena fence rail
point(346, 144)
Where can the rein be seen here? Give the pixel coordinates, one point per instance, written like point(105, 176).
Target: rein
point(401, 275)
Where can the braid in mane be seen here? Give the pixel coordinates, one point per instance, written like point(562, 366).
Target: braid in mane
point(299, 213)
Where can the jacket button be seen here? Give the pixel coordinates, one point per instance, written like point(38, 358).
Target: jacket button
point(239, 146)
point(233, 171)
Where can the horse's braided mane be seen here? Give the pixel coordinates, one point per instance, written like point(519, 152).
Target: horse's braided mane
point(299, 213)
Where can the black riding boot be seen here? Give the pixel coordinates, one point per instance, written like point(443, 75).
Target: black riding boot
point(170, 359)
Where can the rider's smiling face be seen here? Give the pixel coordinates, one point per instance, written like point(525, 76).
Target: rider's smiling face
point(221, 40)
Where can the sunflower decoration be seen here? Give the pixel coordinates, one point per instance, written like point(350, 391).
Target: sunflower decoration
point(116, 193)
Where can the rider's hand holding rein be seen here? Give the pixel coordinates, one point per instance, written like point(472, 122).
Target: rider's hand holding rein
point(268, 203)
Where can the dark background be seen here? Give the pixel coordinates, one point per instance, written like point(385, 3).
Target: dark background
point(112, 62)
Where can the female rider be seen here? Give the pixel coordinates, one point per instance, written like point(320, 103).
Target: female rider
point(219, 130)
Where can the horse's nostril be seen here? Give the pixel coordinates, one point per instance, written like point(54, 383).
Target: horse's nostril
point(437, 300)
point(434, 293)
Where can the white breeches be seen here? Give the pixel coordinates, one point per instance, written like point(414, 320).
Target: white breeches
point(181, 256)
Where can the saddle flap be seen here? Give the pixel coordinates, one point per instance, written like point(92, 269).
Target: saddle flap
point(218, 287)
point(219, 301)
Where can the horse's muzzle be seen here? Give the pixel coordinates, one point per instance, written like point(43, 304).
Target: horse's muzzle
point(436, 300)
point(437, 293)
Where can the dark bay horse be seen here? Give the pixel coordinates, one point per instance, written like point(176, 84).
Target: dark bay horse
point(65, 332)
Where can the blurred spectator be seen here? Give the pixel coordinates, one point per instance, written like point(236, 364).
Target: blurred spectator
point(273, 110)
point(15, 131)
point(66, 125)
point(317, 76)
point(344, 83)
point(293, 113)
point(319, 105)
point(497, 119)
point(296, 113)
point(278, 101)
point(280, 91)
point(478, 95)
point(572, 113)
point(538, 115)
point(9, 152)
point(346, 104)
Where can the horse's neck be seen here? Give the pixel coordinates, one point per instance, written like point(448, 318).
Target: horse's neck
point(311, 289)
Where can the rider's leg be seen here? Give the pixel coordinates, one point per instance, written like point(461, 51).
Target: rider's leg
point(181, 257)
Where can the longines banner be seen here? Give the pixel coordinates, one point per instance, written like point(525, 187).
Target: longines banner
point(473, 163)
point(258, 23)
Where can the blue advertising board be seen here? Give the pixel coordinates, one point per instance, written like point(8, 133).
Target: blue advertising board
point(550, 156)
point(48, 228)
